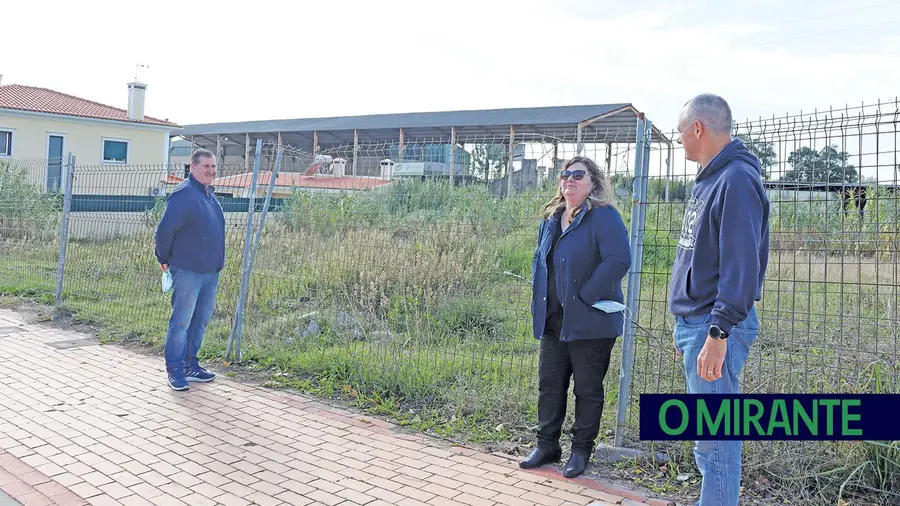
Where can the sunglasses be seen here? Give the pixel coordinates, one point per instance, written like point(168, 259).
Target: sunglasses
point(577, 174)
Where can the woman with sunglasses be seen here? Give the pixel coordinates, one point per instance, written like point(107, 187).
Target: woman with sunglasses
point(583, 254)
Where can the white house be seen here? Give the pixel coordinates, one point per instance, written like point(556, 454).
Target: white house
point(118, 151)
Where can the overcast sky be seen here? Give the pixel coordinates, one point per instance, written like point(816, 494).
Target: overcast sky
point(211, 61)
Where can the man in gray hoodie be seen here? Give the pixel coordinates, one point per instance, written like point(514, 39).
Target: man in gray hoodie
point(720, 265)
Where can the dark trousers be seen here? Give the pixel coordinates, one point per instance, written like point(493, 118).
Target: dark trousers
point(586, 360)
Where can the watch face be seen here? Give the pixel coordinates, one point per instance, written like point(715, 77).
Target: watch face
point(715, 332)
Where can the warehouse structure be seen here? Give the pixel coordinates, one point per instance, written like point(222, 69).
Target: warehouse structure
point(417, 144)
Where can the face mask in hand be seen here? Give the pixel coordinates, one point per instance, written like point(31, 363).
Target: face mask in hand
point(166, 281)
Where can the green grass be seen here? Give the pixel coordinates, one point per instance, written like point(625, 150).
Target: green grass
point(403, 304)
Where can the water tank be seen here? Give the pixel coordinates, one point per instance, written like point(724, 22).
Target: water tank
point(387, 168)
point(339, 167)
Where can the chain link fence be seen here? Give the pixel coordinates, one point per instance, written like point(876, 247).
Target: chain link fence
point(397, 275)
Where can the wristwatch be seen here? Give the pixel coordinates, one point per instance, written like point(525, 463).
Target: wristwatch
point(716, 332)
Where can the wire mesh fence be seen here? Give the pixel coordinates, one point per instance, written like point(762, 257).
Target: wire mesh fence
point(397, 274)
point(391, 283)
point(29, 227)
point(828, 316)
point(111, 276)
point(406, 291)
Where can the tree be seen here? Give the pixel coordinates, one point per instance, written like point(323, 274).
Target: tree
point(763, 150)
point(488, 160)
point(619, 180)
point(825, 166)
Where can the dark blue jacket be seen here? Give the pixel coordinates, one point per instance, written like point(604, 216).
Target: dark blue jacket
point(723, 248)
point(191, 233)
point(590, 261)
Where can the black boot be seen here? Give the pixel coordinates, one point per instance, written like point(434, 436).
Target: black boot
point(541, 456)
point(577, 464)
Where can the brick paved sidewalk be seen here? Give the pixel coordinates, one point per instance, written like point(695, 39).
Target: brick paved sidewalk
point(98, 425)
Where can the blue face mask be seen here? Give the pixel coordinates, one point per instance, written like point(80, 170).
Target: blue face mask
point(610, 306)
point(166, 281)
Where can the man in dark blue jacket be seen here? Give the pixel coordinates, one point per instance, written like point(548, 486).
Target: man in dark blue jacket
point(720, 265)
point(190, 244)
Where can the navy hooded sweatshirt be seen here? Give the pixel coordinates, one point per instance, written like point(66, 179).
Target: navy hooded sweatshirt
point(191, 233)
point(723, 248)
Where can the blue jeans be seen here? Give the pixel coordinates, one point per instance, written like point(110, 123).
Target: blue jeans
point(193, 302)
point(719, 462)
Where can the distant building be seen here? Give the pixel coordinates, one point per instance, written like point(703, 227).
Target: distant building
point(421, 143)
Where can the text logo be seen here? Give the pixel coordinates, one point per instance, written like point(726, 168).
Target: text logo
point(688, 225)
point(768, 416)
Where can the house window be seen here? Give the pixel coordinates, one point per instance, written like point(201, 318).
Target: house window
point(115, 151)
point(6, 142)
point(180, 151)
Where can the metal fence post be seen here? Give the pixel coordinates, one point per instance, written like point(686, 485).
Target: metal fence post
point(237, 331)
point(670, 152)
point(238, 321)
point(638, 214)
point(68, 178)
point(509, 163)
point(265, 209)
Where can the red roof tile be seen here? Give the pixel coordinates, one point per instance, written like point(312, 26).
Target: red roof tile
point(28, 98)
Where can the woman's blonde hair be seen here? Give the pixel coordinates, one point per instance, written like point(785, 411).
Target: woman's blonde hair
point(600, 196)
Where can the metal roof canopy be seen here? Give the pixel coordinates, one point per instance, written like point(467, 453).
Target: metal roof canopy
point(615, 123)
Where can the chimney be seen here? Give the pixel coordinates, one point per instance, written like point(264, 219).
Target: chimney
point(137, 92)
point(1, 79)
